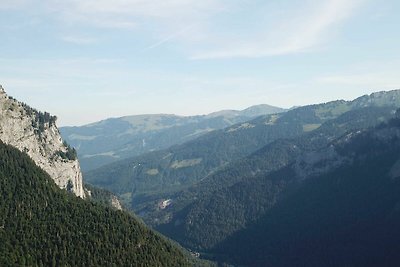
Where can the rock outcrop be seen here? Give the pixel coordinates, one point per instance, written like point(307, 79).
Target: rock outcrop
point(115, 203)
point(36, 134)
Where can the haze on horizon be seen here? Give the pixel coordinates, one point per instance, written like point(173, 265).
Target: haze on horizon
point(92, 59)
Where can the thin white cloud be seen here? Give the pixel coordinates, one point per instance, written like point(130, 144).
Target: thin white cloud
point(12, 4)
point(129, 13)
point(297, 31)
point(153, 8)
point(168, 38)
point(301, 33)
point(79, 40)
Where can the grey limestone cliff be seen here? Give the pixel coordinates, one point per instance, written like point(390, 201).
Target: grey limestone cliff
point(36, 134)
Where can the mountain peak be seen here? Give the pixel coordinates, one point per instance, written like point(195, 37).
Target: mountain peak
point(261, 109)
point(252, 111)
point(379, 98)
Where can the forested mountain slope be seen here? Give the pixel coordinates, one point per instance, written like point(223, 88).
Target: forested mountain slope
point(225, 202)
point(141, 178)
point(42, 225)
point(345, 215)
point(114, 139)
point(182, 165)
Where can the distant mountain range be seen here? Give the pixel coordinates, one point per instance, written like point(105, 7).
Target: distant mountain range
point(145, 177)
point(235, 194)
point(317, 185)
point(182, 165)
point(210, 211)
point(114, 139)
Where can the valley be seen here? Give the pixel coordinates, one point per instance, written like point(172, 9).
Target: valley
point(302, 184)
point(174, 133)
point(114, 139)
point(205, 192)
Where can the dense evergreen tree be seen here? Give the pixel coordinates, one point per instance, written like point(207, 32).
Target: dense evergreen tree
point(70, 154)
point(348, 216)
point(167, 171)
point(99, 195)
point(231, 198)
point(42, 225)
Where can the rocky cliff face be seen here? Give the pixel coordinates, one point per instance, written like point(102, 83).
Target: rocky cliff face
point(36, 134)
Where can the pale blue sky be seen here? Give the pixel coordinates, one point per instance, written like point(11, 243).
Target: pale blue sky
point(86, 60)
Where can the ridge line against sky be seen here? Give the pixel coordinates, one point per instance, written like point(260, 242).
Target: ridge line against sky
point(92, 59)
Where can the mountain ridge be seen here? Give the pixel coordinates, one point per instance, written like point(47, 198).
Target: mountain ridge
point(133, 135)
point(345, 215)
point(184, 164)
point(190, 205)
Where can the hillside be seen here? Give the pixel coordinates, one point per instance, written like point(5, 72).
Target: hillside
point(225, 202)
point(181, 165)
point(347, 215)
point(41, 225)
point(103, 197)
point(114, 139)
point(143, 178)
point(310, 207)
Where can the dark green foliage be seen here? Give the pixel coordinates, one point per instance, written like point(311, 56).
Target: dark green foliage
point(70, 154)
point(348, 216)
point(245, 173)
point(148, 176)
point(225, 202)
point(70, 186)
point(40, 119)
point(99, 195)
point(42, 225)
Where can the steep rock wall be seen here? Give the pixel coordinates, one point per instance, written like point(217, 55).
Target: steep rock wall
point(37, 134)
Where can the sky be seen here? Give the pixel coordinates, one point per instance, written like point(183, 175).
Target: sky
point(87, 60)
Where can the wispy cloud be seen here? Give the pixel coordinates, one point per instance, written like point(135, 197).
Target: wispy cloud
point(153, 8)
point(300, 29)
point(129, 13)
point(12, 4)
point(79, 40)
point(301, 33)
point(169, 38)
